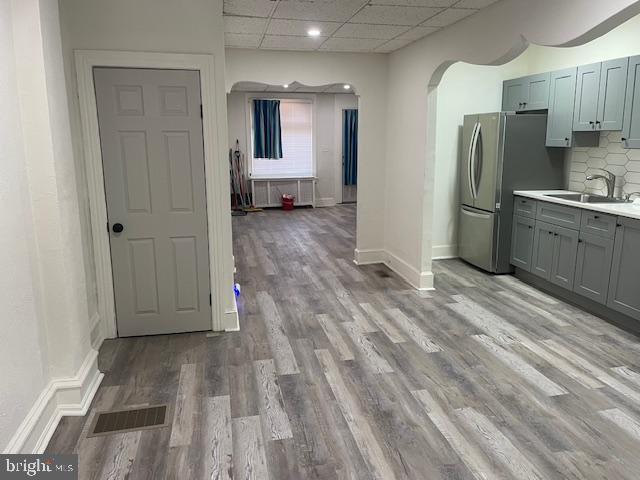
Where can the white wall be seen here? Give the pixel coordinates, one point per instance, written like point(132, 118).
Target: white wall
point(45, 322)
point(492, 36)
point(325, 132)
point(367, 73)
point(193, 26)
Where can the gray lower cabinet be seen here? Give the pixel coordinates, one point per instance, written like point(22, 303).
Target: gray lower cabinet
point(563, 263)
point(542, 252)
point(624, 283)
point(562, 92)
point(522, 242)
point(631, 124)
point(593, 265)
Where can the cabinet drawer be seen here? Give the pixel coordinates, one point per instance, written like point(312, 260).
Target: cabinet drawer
point(525, 207)
point(598, 224)
point(568, 217)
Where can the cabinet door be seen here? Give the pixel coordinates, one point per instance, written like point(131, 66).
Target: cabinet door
point(522, 242)
point(593, 266)
point(565, 248)
point(613, 84)
point(562, 93)
point(586, 105)
point(624, 283)
point(513, 95)
point(631, 124)
point(542, 253)
point(536, 92)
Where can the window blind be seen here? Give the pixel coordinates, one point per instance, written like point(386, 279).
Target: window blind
point(297, 144)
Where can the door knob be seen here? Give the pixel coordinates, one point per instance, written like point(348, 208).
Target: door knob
point(117, 227)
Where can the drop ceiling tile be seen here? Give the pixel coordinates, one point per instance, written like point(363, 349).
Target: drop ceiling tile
point(351, 44)
point(242, 40)
point(364, 30)
point(474, 3)
point(287, 42)
point(417, 32)
point(390, 15)
point(328, 11)
point(448, 16)
point(234, 24)
point(252, 8)
point(249, 87)
point(279, 26)
point(416, 3)
point(392, 45)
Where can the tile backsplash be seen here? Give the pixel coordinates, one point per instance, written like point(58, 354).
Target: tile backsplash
point(610, 155)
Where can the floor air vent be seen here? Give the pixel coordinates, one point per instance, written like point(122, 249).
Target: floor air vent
point(126, 420)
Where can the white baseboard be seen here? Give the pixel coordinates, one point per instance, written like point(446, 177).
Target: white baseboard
point(63, 396)
point(326, 202)
point(367, 257)
point(231, 318)
point(418, 280)
point(442, 252)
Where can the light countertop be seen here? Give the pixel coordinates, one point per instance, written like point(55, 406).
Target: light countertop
point(631, 210)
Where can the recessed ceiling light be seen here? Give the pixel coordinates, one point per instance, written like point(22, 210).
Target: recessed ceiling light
point(286, 85)
point(314, 32)
point(346, 87)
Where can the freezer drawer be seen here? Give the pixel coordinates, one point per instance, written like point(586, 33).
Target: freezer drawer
point(476, 242)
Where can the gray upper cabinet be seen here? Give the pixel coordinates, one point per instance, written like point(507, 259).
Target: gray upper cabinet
point(613, 85)
point(631, 128)
point(586, 104)
point(593, 265)
point(562, 92)
point(563, 264)
point(600, 96)
point(522, 242)
point(513, 94)
point(624, 284)
point(526, 93)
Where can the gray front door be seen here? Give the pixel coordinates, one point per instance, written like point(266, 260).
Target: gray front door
point(153, 160)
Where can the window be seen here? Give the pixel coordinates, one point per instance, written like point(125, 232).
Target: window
point(297, 143)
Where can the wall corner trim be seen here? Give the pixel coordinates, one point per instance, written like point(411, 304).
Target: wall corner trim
point(443, 252)
point(369, 256)
point(61, 397)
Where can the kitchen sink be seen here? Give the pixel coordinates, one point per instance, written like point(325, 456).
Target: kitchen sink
point(586, 198)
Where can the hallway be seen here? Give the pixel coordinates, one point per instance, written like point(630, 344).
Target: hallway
point(342, 371)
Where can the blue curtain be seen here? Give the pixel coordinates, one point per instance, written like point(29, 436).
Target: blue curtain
point(350, 147)
point(267, 134)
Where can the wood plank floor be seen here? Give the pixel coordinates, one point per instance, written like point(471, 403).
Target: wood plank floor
point(345, 372)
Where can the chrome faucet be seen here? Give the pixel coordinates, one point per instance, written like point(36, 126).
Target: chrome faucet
point(628, 196)
point(609, 179)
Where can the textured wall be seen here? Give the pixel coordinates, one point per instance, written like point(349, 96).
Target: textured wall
point(624, 163)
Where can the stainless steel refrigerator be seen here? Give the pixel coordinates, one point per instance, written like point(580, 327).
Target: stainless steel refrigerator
point(501, 152)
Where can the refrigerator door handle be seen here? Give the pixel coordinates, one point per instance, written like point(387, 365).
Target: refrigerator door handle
point(477, 162)
point(471, 160)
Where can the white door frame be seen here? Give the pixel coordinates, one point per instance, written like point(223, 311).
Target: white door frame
point(215, 179)
point(342, 103)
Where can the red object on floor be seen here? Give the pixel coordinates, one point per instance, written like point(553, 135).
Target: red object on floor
point(287, 202)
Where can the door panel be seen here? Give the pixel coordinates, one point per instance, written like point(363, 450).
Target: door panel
point(561, 100)
point(631, 124)
point(542, 255)
point(613, 84)
point(624, 285)
point(593, 265)
point(486, 164)
point(587, 88)
point(513, 95)
point(153, 159)
point(468, 137)
point(537, 92)
point(522, 242)
point(565, 248)
point(476, 237)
